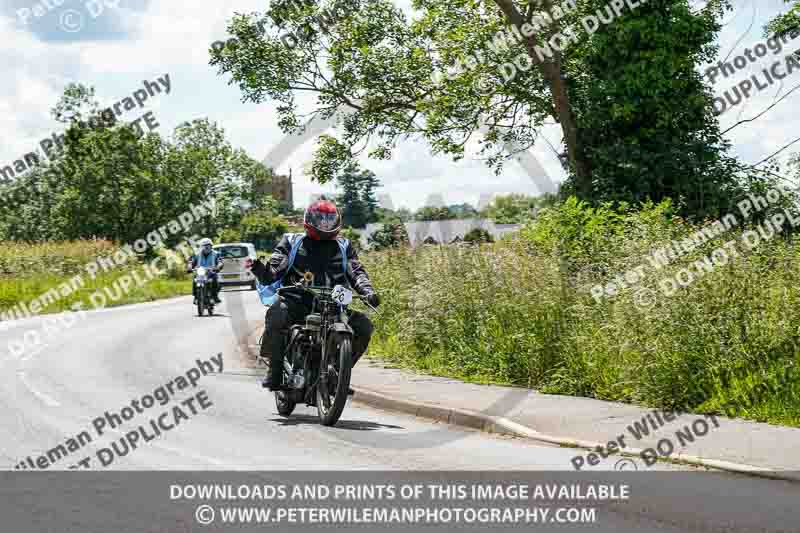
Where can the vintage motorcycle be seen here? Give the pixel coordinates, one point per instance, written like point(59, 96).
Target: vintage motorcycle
point(319, 354)
point(202, 280)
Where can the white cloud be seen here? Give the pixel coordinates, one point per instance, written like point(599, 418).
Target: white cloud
point(173, 37)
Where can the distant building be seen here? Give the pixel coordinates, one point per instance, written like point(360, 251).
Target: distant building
point(444, 231)
point(280, 188)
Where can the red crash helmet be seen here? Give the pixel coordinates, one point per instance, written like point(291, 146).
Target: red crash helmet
point(322, 220)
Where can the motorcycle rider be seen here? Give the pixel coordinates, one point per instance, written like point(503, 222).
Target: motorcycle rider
point(211, 260)
point(321, 255)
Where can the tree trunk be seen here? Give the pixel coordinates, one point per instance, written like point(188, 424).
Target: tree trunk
point(552, 72)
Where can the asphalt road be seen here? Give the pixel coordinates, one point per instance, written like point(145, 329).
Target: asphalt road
point(114, 356)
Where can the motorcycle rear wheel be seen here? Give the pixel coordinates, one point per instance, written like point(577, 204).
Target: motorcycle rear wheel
point(332, 392)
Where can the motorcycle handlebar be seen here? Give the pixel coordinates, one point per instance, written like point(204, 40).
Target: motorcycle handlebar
point(319, 289)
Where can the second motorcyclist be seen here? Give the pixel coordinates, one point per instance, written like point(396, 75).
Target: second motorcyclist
point(211, 260)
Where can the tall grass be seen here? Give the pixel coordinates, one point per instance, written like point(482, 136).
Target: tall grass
point(521, 312)
point(20, 260)
point(27, 271)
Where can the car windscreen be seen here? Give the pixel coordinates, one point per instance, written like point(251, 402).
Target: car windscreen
point(234, 252)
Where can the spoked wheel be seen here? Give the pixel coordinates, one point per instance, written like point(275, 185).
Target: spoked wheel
point(201, 300)
point(283, 399)
point(334, 379)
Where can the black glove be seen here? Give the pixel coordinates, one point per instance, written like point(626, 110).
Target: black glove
point(373, 299)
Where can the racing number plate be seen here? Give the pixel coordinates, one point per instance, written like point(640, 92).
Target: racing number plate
point(341, 295)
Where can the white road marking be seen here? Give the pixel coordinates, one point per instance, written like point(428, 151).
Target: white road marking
point(10, 324)
point(47, 400)
point(181, 452)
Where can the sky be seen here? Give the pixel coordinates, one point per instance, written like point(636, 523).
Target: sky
point(115, 45)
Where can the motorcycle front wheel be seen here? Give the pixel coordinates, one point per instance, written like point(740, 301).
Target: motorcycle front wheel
point(333, 385)
point(284, 403)
point(201, 300)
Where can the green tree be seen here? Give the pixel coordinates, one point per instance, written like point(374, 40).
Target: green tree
point(404, 214)
point(478, 235)
point(511, 209)
point(263, 228)
point(381, 69)
point(645, 113)
point(353, 236)
point(389, 236)
point(357, 199)
point(786, 22)
point(112, 182)
point(350, 201)
point(434, 213)
point(385, 216)
point(370, 182)
point(462, 211)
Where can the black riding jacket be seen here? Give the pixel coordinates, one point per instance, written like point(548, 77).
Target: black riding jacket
point(322, 258)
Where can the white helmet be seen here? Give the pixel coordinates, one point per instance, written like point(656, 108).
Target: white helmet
point(205, 242)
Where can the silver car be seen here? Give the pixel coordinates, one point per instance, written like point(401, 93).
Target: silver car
point(236, 258)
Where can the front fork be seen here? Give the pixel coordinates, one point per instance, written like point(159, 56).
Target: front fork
point(340, 327)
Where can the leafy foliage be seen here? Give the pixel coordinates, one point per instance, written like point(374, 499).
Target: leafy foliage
point(511, 209)
point(434, 213)
point(645, 114)
point(357, 200)
point(353, 236)
point(478, 235)
point(111, 182)
point(786, 22)
point(637, 120)
point(263, 228)
point(521, 312)
point(389, 236)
